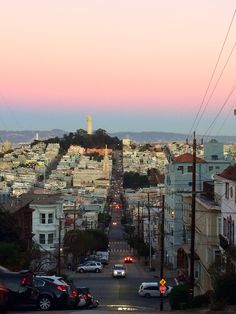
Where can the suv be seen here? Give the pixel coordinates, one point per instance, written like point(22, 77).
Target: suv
point(21, 290)
point(151, 289)
point(91, 266)
point(118, 270)
point(54, 293)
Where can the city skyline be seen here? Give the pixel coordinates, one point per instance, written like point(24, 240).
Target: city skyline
point(134, 65)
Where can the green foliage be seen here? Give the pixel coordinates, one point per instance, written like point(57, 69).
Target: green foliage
point(225, 288)
point(141, 247)
point(104, 218)
point(179, 297)
point(200, 301)
point(99, 139)
point(134, 180)
point(79, 242)
point(12, 257)
point(8, 227)
point(99, 239)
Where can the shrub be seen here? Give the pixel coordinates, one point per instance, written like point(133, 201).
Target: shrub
point(225, 288)
point(200, 300)
point(179, 297)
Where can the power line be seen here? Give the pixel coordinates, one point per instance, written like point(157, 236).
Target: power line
point(212, 75)
point(222, 107)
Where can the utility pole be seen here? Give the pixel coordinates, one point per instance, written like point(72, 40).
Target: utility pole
point(59, 248)
point(74, 212)
point(192, 251)
point(138, 222)
point(162, 248)
point(149, 231)
point(142, 224)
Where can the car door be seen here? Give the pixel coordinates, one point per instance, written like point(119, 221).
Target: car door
point(93, 266)
point(87, 266)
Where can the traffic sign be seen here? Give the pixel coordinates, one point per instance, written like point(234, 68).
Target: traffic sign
point(162, 289)
point(162, 282)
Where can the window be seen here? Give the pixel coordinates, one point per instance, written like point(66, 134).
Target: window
point(190, 168)
point(227, 190)
point(214, 157)
point(217, 257)
point(231, 192)
point(42, 218)
point(225, 230)
point(42, 238)
point(219, 226)
point(50, 218)
point(180, 168)
point(210, 168)
point(50, 238)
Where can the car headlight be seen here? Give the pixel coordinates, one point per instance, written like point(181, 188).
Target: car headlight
point(115, 272)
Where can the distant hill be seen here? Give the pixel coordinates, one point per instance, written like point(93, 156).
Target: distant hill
point(155, 137)
point(28, 136)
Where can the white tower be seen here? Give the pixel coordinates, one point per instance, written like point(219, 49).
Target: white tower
point(89, 125)
point(106, 164)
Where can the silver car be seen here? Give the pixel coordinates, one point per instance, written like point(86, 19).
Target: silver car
point(90, 266)
point(118, 270)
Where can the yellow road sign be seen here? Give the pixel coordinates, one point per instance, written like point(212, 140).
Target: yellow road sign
point(162, 282)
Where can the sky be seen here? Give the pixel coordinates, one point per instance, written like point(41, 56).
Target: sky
point(134, 65)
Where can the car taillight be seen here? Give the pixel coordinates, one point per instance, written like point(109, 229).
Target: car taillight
point(25, 281)
point(74, 293)
point(61, 288)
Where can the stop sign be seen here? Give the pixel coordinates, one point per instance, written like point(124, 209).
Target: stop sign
point(162, 289)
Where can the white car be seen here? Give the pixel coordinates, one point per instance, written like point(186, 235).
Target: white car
point(90, 266)
point(151, 289)
point(118, 270)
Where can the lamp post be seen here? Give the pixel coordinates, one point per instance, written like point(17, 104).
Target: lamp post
point(149, 235)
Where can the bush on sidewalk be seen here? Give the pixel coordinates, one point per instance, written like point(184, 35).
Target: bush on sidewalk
point(179, 297)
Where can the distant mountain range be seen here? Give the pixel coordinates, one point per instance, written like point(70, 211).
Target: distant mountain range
point(17, 137)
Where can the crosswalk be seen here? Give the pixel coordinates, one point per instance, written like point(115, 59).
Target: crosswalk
point(117, 250)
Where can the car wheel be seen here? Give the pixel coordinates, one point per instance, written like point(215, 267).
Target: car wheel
point(97, 270)
point(147, 295)
point(45, 303)
point(81, 270)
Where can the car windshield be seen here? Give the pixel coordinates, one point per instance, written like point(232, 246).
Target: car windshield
point(119, 267)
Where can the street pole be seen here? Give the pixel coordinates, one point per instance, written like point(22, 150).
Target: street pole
point(162, 248)
point(59, 249)
point(74, 212)
point(138, 222)
point(149, 229)
point(192, 251)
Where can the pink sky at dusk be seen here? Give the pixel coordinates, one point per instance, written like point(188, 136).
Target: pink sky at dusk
point(114, 55)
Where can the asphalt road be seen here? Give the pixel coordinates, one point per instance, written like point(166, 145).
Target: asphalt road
point(116, 293)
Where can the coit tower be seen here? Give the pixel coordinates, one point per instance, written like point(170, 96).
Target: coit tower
point(89, 125)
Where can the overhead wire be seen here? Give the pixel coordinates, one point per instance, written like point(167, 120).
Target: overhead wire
point(216, 84)
point(219, 112)
point(212, 75)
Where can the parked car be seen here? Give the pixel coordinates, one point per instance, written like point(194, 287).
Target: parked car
point(91, 266)
point(54, 294)
point(21, 289)
point(89, 300)
point(128, 259)
point(118, 270)
point(151, 289)
point(3, 298)
point(56, 279)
